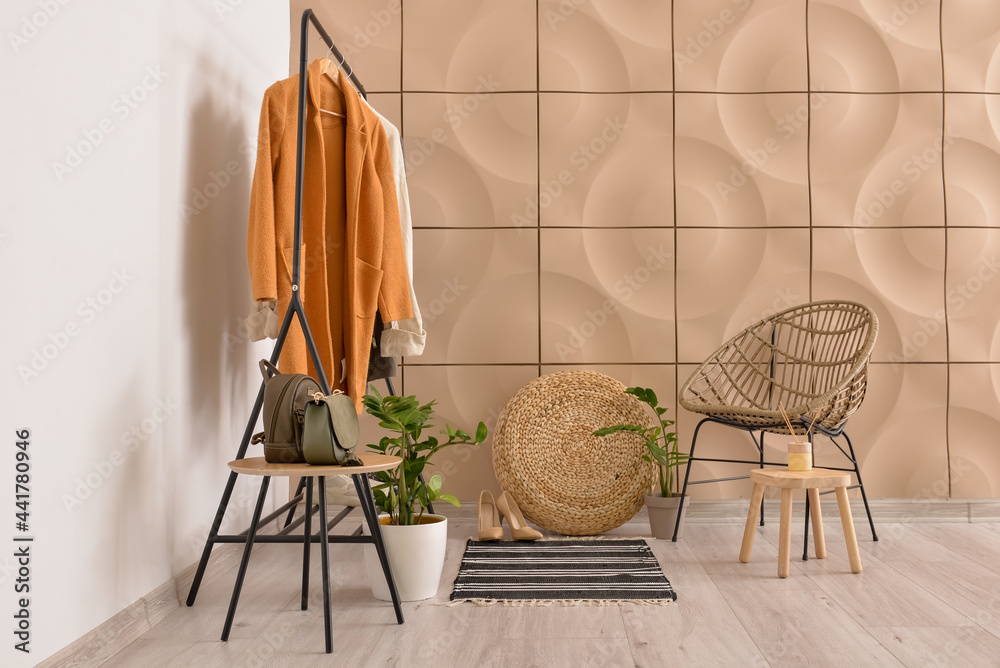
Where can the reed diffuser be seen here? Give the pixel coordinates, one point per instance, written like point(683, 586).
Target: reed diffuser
point(800, 456)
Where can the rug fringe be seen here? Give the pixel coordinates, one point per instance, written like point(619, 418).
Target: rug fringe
point(565, 603)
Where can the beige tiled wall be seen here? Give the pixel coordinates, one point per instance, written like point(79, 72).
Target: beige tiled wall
point(621, 186)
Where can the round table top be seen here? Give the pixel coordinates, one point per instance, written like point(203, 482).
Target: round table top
point(257, 466)
point(778, 477)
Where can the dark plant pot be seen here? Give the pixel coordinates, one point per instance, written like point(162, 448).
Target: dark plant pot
point(663, 514)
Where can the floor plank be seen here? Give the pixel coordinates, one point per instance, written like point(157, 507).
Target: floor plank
point(978, 542)
point(919, 647)
point(563, 653)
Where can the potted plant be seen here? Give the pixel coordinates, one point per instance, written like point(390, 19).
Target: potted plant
point(415, 540)
point(661, 447)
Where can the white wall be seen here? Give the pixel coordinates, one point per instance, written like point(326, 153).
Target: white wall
point(160, 353)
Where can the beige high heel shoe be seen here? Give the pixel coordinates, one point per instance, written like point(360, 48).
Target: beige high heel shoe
point(519, 529)
point(489, 519)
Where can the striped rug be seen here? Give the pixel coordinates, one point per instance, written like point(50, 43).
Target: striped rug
point(599, 571)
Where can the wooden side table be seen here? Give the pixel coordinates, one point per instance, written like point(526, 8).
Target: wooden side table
point(811, 481)
point(257, 466)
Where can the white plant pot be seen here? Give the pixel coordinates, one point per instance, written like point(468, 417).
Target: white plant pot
point(416, 555)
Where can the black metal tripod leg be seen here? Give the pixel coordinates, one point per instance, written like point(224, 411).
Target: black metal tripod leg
point(861, 486)
point(687, 476)
point(241, 574)
point(371, 516)
point(761, 466)
point(324, 546)
point(805, 539)
point(307, 543)
point(210, 541)
point(291, 511)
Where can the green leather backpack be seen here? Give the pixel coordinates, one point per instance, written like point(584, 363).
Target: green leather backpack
point(285, 397)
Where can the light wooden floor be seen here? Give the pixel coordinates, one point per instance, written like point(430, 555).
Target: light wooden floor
point(929, 596)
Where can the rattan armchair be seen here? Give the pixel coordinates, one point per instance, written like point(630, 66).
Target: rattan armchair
point(811, 359)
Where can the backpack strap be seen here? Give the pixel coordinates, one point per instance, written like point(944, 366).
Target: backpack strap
point(266, 367)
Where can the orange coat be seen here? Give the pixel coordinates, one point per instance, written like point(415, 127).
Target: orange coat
point(352, 248)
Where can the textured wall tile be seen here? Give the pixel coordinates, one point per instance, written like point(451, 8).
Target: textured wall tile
point(478, 295)
point(899, 432)
point(973, 295)
point(741, 160)
point(876, 160)
point(389, 105)
point(467, 395)
point(659, 377)
point(607, 296)
point(367, 32)
point(970, 32)
point(974, 430)
point(972, 161)
point(471, 160)
point(740, 45)
point(899, 274)
point(605, 160)
point(460, 45)
point(604, 46)
point(729, 279)
point(859, 45)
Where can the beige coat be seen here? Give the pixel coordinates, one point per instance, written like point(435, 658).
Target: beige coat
point(352, 250)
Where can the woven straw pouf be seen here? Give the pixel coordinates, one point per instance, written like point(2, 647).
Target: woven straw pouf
point(563, 478)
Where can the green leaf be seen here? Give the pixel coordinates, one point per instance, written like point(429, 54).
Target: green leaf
point(450, 499)
point(481, 433)
point(434, 484)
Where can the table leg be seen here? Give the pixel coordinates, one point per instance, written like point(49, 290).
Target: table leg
point(324, 547)
point(848, 523)
point(371, 515)
point(748, 532)
point(307, 543)
point(785, 533)
point(241, 574)
point(819, 540)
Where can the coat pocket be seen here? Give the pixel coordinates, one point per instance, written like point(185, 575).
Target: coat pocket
point(287, 260)
point(368, 280)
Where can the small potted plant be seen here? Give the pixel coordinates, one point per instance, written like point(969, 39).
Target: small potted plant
point(415, 540)
point(661, 446)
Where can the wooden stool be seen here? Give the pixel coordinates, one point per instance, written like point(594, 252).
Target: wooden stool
point(811, 481)
point(257, 466)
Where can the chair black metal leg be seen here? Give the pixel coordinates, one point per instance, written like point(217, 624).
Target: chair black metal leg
point(324, 546)
point(307, 543)
point(761, 446)
point(687, 476)
point(251, 533)
point(291, 511)
point(861, 486)
point(371, 516)
point(805, 539)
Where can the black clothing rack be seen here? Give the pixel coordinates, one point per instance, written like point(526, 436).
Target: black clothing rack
point(361, 484)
